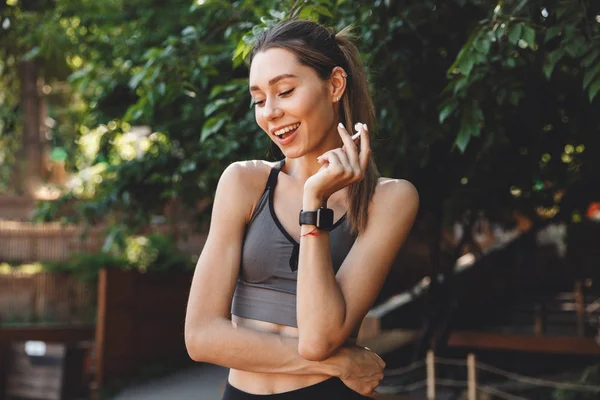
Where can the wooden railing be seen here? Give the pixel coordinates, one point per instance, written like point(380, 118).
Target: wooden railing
point(29, 242)
point(48, 298)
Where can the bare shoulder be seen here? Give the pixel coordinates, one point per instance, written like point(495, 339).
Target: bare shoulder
point(391, 193)
point(395, 205)
point(243, 182)
point(248, 174)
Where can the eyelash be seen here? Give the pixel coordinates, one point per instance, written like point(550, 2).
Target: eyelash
point(284, 94)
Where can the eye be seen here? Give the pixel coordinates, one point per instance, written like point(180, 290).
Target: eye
point(286, 93)
point(259, 103)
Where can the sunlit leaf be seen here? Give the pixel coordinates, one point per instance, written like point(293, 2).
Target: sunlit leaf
point(447, 111)
point(211, 126)
point(529, 35)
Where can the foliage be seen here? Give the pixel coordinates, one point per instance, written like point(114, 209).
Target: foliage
point(591, 376)
point(87, 266)
point(484, 105)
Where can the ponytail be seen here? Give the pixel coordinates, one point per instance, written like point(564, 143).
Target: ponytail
point(357, 106)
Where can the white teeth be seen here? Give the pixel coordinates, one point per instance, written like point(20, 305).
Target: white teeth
point(286, 129)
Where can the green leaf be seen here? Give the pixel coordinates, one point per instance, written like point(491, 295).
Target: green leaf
point(594, 89)
point(466, 65)
point(280, 15)
point(529, 36)
point(462, 140)
point(514, 33)
point(461, 84)
point(306, 13)
point(446, 111)
point(215, 105)
point(323, 11)
point(136, 79)
point(500, 31)
point(551, 61)
point(552, 32)
point(33, 53)
point(590, 74)
point(589, 59)
point(483, 45)
point(211, 126)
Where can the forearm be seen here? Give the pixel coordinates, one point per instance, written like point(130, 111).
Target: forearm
point(219, 342)
point(321, 308)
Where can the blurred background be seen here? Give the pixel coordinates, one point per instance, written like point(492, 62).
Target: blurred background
point(118, 117)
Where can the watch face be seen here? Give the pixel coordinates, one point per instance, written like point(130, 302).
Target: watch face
point(325, 218)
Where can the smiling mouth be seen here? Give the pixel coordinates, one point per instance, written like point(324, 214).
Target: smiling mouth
point(284, 132)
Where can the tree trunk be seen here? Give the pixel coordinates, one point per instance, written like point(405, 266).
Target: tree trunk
point(30, 155)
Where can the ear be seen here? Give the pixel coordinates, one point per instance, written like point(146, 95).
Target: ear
point(337, 84)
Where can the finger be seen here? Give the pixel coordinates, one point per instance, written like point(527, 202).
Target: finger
point(331, 160)
point(349, 145)
point(365, 148)
point(343, 157)
point(376, 357)
point(381, 363)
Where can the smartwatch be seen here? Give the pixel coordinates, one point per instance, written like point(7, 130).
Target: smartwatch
point(322, 218)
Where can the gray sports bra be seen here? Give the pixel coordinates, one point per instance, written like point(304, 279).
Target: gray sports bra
point(266, 287)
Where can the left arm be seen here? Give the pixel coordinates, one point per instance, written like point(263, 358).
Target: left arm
point(330, 306)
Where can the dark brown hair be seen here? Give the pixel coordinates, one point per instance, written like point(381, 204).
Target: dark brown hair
point(321, 49)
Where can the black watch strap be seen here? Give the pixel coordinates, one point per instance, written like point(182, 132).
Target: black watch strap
point(322, 218)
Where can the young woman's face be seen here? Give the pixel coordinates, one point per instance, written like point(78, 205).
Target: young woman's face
point(293, 105)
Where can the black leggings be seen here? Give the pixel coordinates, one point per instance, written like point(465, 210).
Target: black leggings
point(330, 389)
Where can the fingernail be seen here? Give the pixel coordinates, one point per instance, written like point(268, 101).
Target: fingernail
point(365, 126)
point(341, 125)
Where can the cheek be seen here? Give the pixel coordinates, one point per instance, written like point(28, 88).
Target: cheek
point(260, 120)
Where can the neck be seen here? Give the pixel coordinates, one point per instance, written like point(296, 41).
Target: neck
point(304, 167)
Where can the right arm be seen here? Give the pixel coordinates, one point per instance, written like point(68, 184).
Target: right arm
point(209, 333)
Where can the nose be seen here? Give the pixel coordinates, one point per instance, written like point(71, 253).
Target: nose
point(272, 110)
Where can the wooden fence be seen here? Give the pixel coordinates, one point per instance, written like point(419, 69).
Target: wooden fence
point(16, 208)
point(139, 320)
point(29, 242)
point(45, 298)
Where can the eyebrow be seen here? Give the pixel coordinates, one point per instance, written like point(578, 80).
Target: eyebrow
point(274, 80)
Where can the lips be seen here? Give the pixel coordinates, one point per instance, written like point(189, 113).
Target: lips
point(282, 131)
point(286, 134)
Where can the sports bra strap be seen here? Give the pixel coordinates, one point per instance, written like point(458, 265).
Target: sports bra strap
point(273, 175)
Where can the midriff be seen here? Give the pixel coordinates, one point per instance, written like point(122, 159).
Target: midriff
point(263, 383)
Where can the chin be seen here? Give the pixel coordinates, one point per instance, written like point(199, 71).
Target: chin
point(292, 153)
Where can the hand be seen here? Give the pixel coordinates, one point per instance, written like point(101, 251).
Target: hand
point(361, 369)
point(340, 167)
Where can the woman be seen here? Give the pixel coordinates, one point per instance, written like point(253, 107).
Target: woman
point(297, 293)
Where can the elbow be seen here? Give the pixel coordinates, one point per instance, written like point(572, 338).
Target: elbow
point(193, 347)
point(196, 343)
point(316, 350)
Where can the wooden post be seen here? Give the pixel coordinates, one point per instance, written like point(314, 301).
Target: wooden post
point(539, 321)
point(115, 347)
point(580, 308)
point(430, 375)
point(472, 377)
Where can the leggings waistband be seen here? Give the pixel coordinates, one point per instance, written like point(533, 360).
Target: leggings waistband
point(330, 389)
